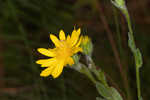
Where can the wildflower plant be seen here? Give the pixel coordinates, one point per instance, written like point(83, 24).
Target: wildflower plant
point(65, 52)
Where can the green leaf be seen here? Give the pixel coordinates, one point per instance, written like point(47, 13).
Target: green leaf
point(109, 93)
point(98, 98)
point(138, 58)
point(103, 91)
point(136, 52)
point(102, 77)
point(141, 98)
point(115, 94)
point(131, 42)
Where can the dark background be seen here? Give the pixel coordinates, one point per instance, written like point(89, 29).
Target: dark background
point(25, 25)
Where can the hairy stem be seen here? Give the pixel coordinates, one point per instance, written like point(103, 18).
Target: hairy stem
point(133, 49)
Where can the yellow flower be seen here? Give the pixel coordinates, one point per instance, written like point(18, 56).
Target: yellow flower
point(61, 55)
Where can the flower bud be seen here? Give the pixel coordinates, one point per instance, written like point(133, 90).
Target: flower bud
point(119, 3)
point(87, 45)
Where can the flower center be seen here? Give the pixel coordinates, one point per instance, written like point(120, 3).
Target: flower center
point(64, 51)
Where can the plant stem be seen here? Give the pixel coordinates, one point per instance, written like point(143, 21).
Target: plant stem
point(115, 51)
point(138, 83)
point(129, 26)
point(132, 49)
point(92, 67)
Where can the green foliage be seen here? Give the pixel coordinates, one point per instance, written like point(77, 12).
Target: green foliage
point(98, 98)
point(104, 91)
point(109, 93)
point(136, 52)
point(131, 43)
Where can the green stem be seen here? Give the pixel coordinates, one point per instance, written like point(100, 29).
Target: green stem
point(138, 83)
point(99, 74)
point(130, 27)
point(84, 69)
point(133, 49)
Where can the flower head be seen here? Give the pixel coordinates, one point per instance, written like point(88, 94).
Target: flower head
point(87, 45)
point(85, 40)
point(119, 3)
point(61, 55)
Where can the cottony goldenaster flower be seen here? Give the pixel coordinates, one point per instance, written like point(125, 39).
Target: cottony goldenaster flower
point(61, 55)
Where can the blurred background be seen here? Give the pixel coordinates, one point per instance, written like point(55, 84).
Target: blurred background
point(25, 25)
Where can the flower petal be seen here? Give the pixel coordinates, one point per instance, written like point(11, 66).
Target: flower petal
point(58, 69)
point(77, 49)
point(46, 52)
point(75, 36)
point(68, 38)
point(70, 61)
point(47, 71)
point(62, 35)
point(46, 62)
point(55, 40)
point(42, 61)
point(79, 42)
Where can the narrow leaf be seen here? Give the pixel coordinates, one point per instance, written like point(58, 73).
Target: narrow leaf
point(115, 94)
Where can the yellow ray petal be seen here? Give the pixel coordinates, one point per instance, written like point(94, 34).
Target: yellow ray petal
point(47, 71)
point(46, 62)
point(58, 69)
point(52, 50)
point(70, 61)
point(42, 61)
point(75, 36)
point(77, 49)
point(55, 40)
point(62, 35)
point(46, 52)
point(50, 63)
point(68, 38)
point(79, 42)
